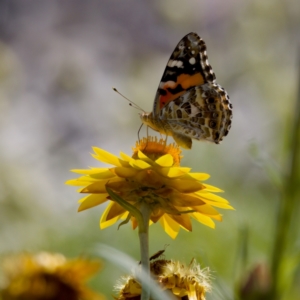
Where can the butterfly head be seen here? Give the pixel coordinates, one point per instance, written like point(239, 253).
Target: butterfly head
point(155, 123)
point(163, 126)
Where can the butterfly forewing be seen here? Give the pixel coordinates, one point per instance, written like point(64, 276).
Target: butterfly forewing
point(187, 67)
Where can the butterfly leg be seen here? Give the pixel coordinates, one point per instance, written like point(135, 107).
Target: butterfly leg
point(147, 136)
point(138, 133)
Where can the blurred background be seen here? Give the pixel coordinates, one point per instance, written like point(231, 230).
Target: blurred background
point(59, 60)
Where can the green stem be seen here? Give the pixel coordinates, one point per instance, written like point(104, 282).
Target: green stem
point(144, 247)
point(142, 216)
point(288, 203)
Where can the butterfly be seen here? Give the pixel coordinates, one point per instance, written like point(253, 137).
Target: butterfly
point(189, 104)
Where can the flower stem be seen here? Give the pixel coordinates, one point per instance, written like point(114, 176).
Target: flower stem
point(144, 247)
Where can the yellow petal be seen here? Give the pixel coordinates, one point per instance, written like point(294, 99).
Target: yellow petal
point(76, 182)
point(104, 223)
point(99, 187)
point(134, 222)
point(115, 210)
point(218, 204)
point(209, 196)
point(91, 201)
point(125, 172)
point(156, 215)
point(204, 220)
point(185, 200)
point(211, 188)
point(106, 157)
point(139, 164)
point(183, 220)
point(206, 209)
point(90, 171)
point(216, 217)
point(173, 172)
point(125, 157)
point(93, 176)
point(170, 226)
point(103, 175)
point(143, 156)
point(87, 179)
point(199, 176)
point(185, 185)
point(165, 160)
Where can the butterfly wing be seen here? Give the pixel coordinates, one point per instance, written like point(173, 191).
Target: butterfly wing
point(203, 113)
point(187, 67)
point(189, 104)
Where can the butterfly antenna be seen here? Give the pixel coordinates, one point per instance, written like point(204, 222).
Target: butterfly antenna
point(131, 103)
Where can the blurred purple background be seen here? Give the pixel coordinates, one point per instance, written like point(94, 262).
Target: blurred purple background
point(58, 63)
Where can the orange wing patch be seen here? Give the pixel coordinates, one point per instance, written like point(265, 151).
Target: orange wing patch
point(186, 81)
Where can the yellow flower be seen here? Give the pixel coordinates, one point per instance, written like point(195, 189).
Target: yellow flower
point(153, 174)
point(47, 276)
point(184, 282)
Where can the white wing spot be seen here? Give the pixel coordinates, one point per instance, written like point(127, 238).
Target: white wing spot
point(192, 60)
point(175, 63)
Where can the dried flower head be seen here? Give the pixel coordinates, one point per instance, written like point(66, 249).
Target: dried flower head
point(177, 279)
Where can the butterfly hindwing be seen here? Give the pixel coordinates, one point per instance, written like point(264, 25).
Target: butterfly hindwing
point(202, 113)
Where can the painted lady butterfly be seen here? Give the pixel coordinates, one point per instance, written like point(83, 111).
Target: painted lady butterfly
point(189, 104)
